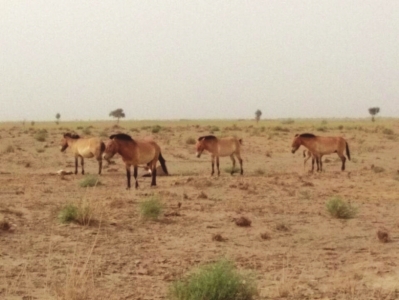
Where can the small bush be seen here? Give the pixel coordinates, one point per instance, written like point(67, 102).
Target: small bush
point(214, 128)
point(324, 122)
point(151, 208)
point(190, 141)
point(388, 131)
point(86, 131)
point(156, 129)
point(340, 127)
point(40, 150)
point(279, 128)
point(9, 149)
point(82, 213)
point(41, 135)
point(340, 209)
point(89, 181)
point(69, 213)
point(322, 128)
point(218, 280)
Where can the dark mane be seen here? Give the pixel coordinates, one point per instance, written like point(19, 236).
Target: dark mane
point(121, 136)
point(207, 137)
point(307, 135)
point(72, 135)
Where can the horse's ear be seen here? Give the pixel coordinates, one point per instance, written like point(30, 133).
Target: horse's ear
point(297, 135)
point(111, 136)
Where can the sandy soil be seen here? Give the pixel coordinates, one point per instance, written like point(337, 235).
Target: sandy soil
point(307, 255)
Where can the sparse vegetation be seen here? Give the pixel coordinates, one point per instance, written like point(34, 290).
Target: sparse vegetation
point(41, 135)
point(82, 213)
point(156, 129)
point(218, 280)
point(190, 141)
point(340, 209)
point(89, 181)
point(230, 168)
point(86, 131)
point(151, 209)
point(9, 149)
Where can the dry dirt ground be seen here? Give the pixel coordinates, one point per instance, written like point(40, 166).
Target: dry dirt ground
point(307, 254)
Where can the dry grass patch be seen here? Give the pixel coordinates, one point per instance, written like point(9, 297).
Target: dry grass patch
point(340, 209)
point(90, 181)
point(151, 209)
point(85, 213)
point(219, 281)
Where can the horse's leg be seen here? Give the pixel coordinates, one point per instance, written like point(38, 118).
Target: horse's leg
point(76, 165)
point(100, 165)
point(343, 159)
point(82, 164)
point(128, 176)
point(135, 169)
point(217, 164)
point(213, 165)
point(154, 175)
point(240, 161)
point(313, 160)
point(234, 164)
point(321, 163)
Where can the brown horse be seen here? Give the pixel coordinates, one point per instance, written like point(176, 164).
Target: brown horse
point(83, 148)
point(322, 145)
point(228, 146)
point(135, 153)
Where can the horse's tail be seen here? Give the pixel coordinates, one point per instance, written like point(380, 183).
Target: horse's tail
point(240, 141)
point(348, 154)
point(163, 163)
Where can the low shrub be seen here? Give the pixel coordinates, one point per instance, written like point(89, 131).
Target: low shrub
point(218, 280)
point(340, 209)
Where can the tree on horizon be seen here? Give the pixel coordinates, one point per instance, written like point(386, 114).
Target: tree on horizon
point(258, 114)
point(373, 111)
point(58, 116)
point(117, 113)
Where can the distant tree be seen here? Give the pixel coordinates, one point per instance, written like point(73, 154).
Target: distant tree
point(258, 114)
point(373, 111)
point(57, 116)
point(117, 113)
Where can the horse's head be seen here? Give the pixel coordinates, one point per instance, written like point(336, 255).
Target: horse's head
point(111, 148)
point(63, 144)
point(200, 146)
point(67, 137)
point(296, 143)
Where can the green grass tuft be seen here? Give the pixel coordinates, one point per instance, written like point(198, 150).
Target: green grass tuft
point(219, 281)
point(89, 181)
point(340, 209)
point(151, 209)
point(69, 213)
point(156, 129)
point(41, 135)
point(190, 141)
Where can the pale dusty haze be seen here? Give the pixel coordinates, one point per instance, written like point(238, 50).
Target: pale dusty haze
point(198, 59)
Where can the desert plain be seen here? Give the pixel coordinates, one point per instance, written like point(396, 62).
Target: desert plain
point(293, 248)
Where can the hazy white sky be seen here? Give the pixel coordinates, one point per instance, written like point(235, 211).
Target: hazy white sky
point(198, 59)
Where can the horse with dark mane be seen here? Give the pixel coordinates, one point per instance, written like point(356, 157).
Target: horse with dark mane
point(135, 153)
point(220, 147)
point(83, 148)
point(322, 145)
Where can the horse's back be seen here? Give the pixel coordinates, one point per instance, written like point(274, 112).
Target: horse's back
point(329, 144)
point(89, 147)
point(228, 145)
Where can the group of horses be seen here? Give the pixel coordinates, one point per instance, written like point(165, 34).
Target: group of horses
point(144, 153)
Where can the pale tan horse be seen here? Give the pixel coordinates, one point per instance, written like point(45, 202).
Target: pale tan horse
point(83, 148)
point(135, 153)
point(322, 145)
point(220, 147)
point(307, 154)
